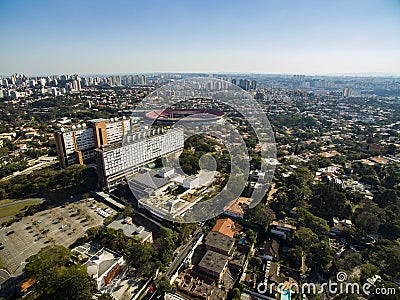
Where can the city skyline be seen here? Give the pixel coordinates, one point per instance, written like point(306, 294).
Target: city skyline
point(312, 38)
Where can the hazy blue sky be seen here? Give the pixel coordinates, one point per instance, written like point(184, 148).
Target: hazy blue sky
point(258, 36)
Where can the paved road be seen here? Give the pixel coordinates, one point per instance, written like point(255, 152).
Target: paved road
point(20, 201)
point(179, 259)
point(7, 285)
point(4, 275)
point(40, 165)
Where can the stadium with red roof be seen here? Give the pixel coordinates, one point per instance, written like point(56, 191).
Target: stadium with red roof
point(171, 116)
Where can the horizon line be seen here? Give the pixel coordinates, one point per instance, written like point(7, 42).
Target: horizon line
point(333, 74)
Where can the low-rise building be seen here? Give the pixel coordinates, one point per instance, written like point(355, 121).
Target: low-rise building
point(238, 207)
point(198, 288)
point(214, 264)
point(269, 250)
point(104, 266)
point(191, 182)
point(220, 243)
point(226, 227)
point(132, 230)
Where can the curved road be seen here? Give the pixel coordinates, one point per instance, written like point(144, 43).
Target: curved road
point(4, 275)
point(6, 285)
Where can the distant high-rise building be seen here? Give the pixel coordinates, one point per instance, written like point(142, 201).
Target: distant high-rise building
point(32, 82)
point(259, 96)
point(14, 94)
point(76, 84)
point(42, 81)
point(346, 92)
point(53, 91)
point(69, 87)
point(84, 82)
point(143, 80)
point(244, 84)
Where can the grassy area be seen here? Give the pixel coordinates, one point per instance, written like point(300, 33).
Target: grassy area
point(16, 208)
point(2, 264)
point(64, 195)
point(5, 201)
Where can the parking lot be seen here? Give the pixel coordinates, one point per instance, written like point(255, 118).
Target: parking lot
point(60, 225)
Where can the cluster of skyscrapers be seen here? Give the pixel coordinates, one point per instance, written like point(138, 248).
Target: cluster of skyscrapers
point(245, 84)
point(19, 86)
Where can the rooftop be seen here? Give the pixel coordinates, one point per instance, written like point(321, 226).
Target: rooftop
point(150, 179)
point(270, 248)
point(219, 241)
point(130, 230)
point(238, 206)
point(225, 226)
point(329, 154)
point(100, 263)
point(26, 284)
point(214, 262)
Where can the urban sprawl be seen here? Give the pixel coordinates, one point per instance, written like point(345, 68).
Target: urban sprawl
point(86, 202)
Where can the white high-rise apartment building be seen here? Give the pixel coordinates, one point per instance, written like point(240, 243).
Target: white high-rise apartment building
point(116, 161)
point(76, 146)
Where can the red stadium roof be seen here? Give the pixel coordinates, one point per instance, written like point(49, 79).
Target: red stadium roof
point(188, 114)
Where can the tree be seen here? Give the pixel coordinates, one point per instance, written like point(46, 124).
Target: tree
point(42, 264)
point(163, 284)
point(57, 277)
point(140, 253)
point(393, 262)
point(301, 177)
point(322, 255)
point(386, 197)
point(74, 283)
point(372, 180)
point(348, 261)
point(316, 224)
point(3, 193)
point(294, 256)
point(105, 296)
point(304, 238)
point(255, 262)
point(236, 295)
point(184, 230)
point(368, 270)
point(367, 221)
point(329, 200)
point(147, 269)
point(250, 236)
point(165, 244)
point(391, 149)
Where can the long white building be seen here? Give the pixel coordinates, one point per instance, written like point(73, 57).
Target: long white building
point(140, 147)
